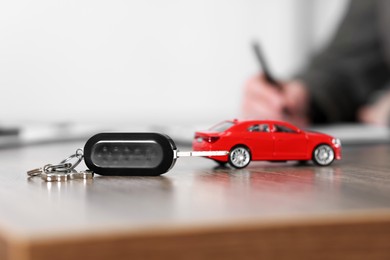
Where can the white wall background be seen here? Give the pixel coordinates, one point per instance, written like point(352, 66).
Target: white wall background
point(148, 61)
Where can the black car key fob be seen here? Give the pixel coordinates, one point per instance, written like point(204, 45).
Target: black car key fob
point(134, 154)
point(141, 154)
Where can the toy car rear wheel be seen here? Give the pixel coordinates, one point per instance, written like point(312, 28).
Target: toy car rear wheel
point(323, 155)
point(239, 157)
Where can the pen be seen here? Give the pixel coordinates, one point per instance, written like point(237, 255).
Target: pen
point(267, 74)
point(263, 65)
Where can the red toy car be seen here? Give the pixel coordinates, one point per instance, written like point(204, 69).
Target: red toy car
point(267, 140)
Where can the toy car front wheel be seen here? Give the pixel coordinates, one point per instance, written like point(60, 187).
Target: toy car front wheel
point(239, 157)
point(323, 155)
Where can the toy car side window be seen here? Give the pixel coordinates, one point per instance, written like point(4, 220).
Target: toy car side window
point(284, 129)
point(259, 128)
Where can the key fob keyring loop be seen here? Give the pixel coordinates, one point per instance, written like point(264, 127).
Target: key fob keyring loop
point(78, 157)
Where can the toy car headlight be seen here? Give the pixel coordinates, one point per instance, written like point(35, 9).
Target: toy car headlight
point(336, 142)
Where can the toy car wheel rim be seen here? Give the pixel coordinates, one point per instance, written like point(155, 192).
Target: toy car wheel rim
point(240, 157)
point(324, 154)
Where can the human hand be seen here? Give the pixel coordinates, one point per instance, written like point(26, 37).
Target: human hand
point(377, 113)
point(262, 100)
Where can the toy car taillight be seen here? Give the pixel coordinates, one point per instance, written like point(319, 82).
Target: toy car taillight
point(211, 139)
point(198, 139)
point(208, 139)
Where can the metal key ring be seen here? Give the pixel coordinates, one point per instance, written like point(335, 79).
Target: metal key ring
point(54, 177)
point(34, 172)
point(62, 167)
point(79, 155)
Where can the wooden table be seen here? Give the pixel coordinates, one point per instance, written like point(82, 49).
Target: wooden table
point(267, 211)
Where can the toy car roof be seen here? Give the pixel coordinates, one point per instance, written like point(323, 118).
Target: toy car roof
point(260, 121)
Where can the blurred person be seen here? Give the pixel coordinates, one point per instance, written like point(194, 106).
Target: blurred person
point(348, 81)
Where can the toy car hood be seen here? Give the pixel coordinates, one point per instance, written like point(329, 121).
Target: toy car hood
point(317, 134)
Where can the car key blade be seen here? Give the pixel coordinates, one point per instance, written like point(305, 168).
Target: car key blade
point(201, 153)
